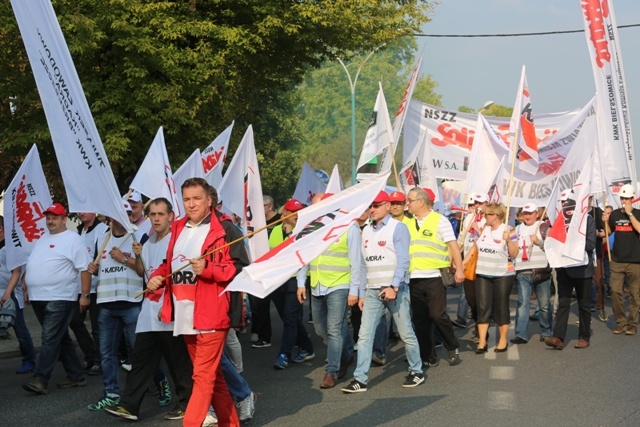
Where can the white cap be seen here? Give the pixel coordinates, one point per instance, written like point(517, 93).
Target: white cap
point(470, 200)
point(480, 198)
point(627, 191)
point(127, 207)
point(566, 194)
point(530, 207)
point(134, 196)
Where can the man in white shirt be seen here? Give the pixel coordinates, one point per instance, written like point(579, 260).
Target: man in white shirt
point(53, 267)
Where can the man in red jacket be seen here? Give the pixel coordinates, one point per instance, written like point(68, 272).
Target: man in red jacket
point(194, 298)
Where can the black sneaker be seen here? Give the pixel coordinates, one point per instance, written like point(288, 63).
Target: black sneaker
point(261, 344)
point(459, 322)
point(177, 413)
point(453, 357)
point(413, 380)
point(431, 363)
point(355, 387)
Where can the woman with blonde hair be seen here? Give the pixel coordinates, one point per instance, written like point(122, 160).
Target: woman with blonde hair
point(497, 248)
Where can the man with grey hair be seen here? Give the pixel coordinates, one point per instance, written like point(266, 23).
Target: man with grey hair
point(433, 243)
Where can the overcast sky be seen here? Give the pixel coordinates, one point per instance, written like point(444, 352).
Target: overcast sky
point(471, 71)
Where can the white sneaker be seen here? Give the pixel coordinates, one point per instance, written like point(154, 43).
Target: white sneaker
point(254, 337)
point(211, 419)
point(246, 408)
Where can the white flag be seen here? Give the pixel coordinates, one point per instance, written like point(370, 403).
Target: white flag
point(318, 227)
point(85, 169)
point(380, 134)
point(191, 168)
point(214, 155)
point(26, 199)
point(241, 193)
point(565, 242)
point(614, 128)
point(154, 178)
point(335, 182)
point(522, 130)
point(398, 121)
point(309, 184)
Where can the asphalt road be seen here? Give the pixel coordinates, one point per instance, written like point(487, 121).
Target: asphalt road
point(529, 385)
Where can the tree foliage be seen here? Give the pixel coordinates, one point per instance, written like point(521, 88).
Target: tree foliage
point(324, 109)
point(192, 67)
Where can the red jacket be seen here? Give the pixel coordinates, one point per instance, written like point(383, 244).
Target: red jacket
point(211, 307)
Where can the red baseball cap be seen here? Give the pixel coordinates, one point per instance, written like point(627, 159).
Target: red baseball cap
point(431, 194)
point(381, 197)
point(56, 209)
point(293, 205)
point(397, 196)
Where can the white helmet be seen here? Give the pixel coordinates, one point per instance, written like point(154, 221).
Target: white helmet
point(627, 191)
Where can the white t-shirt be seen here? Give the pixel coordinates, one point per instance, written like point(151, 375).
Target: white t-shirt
point(54, 265)
point(188, 246)
point(91, 240)
point(153, 253)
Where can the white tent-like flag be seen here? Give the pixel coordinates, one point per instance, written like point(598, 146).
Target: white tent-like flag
point(309, 184)
point(565, 242)
point(191, 168)
point(614, 127)
point(522, 130)
point(334, 186)
point(214, 155)
point(380, 133)
point(318, 227)
point(26, 199)
point(398, 121)
point(241, 193)
point(154, 178)
point(85, 168)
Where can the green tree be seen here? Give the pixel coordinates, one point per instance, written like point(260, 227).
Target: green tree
point(324, 109)
point(192, 67)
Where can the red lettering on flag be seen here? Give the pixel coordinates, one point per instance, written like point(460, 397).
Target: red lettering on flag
point(595, 11)
point(28, 214)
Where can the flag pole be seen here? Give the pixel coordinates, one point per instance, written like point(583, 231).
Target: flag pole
point(395, 168)
point(239, 239)
point(515, 143)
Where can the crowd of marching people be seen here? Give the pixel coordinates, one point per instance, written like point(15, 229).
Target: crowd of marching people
point(157, 294)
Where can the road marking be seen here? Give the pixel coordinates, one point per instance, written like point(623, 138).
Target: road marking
point(502, 400)
point(502, 373)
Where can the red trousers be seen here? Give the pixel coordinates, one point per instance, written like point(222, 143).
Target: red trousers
point(209, 386)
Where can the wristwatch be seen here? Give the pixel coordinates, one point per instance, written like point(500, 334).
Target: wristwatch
point(126, 259)
point(395, 288)
point(87, 296)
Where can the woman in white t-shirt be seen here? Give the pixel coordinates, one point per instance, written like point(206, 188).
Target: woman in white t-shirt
point(497, 248)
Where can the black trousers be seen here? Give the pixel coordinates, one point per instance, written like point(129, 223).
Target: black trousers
point(89, 343)
point(566, 285)
point(261, 317)
point(429, 310)
point(492, 296)
point(148, 349)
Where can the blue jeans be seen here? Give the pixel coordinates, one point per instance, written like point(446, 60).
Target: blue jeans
point(112, 323)
point(290, 311)
point(463, 307)
point(372, 311)
point(54, 317)
point(524, 284)
point(236, 383)
point(381, 337)
point(330, 323)
point(25, 342)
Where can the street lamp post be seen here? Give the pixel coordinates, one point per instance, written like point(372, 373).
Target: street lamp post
point(352, 84)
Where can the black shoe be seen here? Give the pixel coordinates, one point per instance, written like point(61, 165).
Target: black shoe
point(518, 340)
point(460, 323)
point(482, 350)
point(431, 363)
point(453, 357)
point(355, 387)
point(261, 344)
point(414, 379)
point(500, 350)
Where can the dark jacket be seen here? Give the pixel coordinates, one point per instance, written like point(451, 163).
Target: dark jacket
point(584, 271)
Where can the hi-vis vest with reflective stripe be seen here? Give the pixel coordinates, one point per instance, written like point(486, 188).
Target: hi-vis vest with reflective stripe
point(332, 267)
point(379, 254)
point(276, 237)
point(426, 251)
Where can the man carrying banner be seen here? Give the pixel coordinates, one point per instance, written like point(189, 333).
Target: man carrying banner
point(625, 261)
point(286, 300)
point(432, 244)
point(118, 302)
point(385, 247)
point(90, 229)
point(55, 263)
point(532, 274)
point(154, 339)
point(194, 296)
point(336, 277)
point(576, 278)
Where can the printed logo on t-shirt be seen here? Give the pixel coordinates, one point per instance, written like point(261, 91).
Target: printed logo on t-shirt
point(52, 246)
point(382, 243)
point(184, 278)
